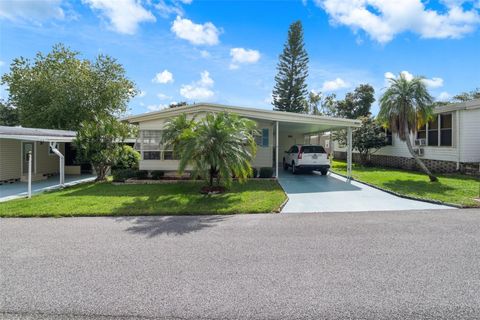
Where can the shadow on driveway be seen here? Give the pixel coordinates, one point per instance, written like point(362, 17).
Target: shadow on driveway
point(170, 225)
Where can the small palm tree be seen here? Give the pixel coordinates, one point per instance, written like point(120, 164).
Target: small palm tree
point(218, 146)
point(405, 106)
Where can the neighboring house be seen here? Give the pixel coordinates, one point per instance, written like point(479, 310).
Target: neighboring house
point(16, 142)
point(448, 143)
point(279, 131)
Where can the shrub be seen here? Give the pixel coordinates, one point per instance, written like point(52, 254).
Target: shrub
point(120, 175)
point(127, 158)
point(266, 172)
point(254, 173)
point(157, 174)
point(141, 174)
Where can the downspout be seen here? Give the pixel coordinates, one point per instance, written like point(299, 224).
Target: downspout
point(62, 162)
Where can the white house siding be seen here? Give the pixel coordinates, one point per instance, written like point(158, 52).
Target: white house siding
point(470, 135)
point(47, 163)
point(10, 159)
point(399, 148)
point(264, 157)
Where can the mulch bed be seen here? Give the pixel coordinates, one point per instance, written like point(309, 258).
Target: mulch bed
point(212, 190)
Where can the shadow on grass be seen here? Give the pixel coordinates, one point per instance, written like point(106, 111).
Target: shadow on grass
point(170, 225)
point(419, 188)
point(178, 204)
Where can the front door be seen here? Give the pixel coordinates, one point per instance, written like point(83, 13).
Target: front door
point(26, 148)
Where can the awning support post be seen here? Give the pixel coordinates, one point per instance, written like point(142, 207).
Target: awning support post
point(62, 162)
point(29, 174)
point(349, 152)
point(276, 150)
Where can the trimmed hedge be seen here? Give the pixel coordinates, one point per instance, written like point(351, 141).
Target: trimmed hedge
point(157, 174)
point(254, 173)
point(266, 172)
point(120, 175)
point(141, 174)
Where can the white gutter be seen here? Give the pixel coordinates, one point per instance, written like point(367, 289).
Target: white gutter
point(62, 162)
point(37, 138)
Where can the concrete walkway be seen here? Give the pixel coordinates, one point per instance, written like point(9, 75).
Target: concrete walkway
point(19, 189)
point(311, 192)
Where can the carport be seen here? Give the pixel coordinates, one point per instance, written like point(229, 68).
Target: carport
point(293, 128)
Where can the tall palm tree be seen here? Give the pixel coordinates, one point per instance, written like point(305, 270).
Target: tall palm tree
point(217, 146)
point(405, 106)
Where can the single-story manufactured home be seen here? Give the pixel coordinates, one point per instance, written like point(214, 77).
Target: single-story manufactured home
point(279, 131)
point(450, 142)
point(17, 142)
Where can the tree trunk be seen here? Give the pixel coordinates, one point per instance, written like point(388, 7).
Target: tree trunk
point(211, 177)
point(416, 158)
point(101, 172)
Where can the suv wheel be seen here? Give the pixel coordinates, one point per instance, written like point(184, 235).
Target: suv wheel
point(294, 170)
point(324, 172)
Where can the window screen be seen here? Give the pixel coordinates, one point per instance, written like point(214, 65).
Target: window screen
point(433, 132)
point(446, 130)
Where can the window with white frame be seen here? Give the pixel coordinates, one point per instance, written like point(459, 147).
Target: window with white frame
point(437, 132)
point(151, 147)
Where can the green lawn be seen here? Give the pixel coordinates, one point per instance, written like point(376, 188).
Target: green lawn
point(451, 188)
point(184, 198)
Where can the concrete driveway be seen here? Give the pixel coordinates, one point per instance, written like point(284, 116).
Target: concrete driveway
point(385, 265)
point(312, 192)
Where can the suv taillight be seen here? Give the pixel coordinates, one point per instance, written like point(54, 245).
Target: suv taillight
point(300, 154)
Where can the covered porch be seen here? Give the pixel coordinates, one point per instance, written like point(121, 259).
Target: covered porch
point(19, 189)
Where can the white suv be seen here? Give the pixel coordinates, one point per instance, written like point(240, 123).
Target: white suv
point(309, 157)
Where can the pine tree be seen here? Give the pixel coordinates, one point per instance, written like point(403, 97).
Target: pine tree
point(290, 91)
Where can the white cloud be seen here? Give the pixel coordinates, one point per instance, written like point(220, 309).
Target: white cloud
point(2, 63)
point(431, 83)
point(141, 94)
point(383, 20)
point(334, 85)
point(157, 107)
point(163, 96)
point(204, 54)
point(444, 96)
point(163, 77)
point(124, 15)
point(166, 9)
point(197, 34)
point(198, 90)
point(32, 10)
point(241, 56)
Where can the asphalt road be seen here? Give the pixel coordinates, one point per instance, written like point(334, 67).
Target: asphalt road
point(383, 265)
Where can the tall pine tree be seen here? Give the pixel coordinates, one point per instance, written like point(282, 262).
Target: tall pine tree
point(290, 91)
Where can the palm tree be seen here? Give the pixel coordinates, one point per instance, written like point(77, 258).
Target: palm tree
point(218, 146)
point(405, 106)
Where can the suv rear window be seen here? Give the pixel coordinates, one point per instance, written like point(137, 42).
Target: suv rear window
point(313, 149)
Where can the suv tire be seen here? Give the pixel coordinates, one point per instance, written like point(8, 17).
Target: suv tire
point(294, 170)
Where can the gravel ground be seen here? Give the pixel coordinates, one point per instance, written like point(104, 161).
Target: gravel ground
point(369, 265)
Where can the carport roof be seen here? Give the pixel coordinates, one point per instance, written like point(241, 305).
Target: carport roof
point(36, 134)
point(304, 121)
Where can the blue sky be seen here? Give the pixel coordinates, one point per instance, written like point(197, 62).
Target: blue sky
point(227, 51)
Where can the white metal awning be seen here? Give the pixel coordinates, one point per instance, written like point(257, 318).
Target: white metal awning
point(36, 134)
